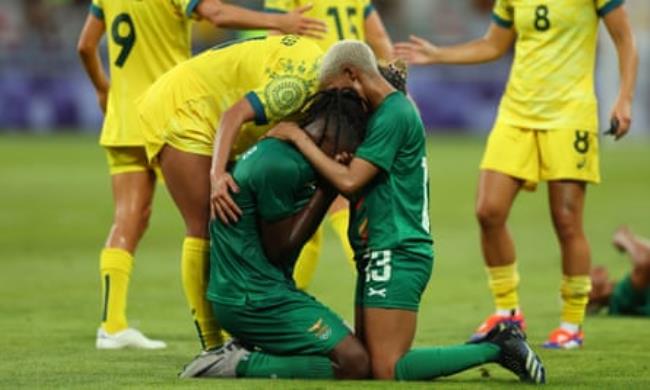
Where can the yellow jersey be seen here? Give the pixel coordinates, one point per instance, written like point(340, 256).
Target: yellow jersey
point(183, 107)
point(345, 18)
point(551, 83)
point(145, 39)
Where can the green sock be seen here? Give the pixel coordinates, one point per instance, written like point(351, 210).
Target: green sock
point(263, 365)
point(433, 362)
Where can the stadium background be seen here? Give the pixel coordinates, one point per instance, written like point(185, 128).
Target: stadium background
point(55, 210)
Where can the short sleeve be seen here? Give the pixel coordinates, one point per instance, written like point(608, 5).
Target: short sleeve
point(97, 9)
point(383, 140)
point(288, 83)
point(274, 185)
point(187, 7)
point(368, 8)
point(503, 13)
point(603, 7)
point(279, 6)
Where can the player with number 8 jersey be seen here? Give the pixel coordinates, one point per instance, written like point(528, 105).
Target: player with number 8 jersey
point(546, 130)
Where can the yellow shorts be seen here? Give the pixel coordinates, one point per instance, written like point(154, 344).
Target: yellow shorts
point(542, 155)
point(125, 159)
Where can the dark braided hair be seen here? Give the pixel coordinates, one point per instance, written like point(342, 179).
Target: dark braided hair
point(395, 73)
point(343, 106)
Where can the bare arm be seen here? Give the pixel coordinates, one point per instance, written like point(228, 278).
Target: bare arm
point(347, 179)
point(619, 28)
point(494, 44)
point(377, 37)
point(284, 238)
point(230, 16)
point(88, 49)
point(221, 203)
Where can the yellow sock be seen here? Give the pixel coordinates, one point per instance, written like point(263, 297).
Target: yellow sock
point(115, 270)
point(303, 272)
point(575, 295)
point(339, 221)
point(503, 282)
point(195, 266)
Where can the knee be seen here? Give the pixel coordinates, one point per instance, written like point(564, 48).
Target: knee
point(384, 368)
point(566, 220)
point(133, 221)
point(490, 215)
point(353, 362)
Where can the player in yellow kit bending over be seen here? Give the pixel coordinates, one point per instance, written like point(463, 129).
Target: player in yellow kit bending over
point(547, 129)
point(199, 115)
point(346, 19)
point(145, 39)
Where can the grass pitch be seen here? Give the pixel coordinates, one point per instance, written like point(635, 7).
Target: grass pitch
point(55, 211)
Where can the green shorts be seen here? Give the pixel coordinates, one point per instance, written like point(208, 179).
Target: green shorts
point(389, 279)
point(294, 324)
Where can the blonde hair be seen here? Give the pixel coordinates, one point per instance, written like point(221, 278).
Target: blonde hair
point(347, 53)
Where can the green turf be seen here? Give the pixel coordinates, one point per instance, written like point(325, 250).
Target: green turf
point(55, 210)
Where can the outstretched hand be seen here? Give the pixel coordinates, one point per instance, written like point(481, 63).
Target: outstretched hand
point(221, 203)
point(417, 51)
point(295, 22)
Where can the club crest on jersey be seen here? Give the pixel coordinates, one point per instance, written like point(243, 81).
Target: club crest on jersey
point(321, 330)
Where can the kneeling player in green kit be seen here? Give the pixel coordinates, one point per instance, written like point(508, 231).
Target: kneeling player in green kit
point(279, 330)
point(389, 231)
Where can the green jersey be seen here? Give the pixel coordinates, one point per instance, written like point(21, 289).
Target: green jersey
point(626, 300)
point(275, 181)
point(392, 212)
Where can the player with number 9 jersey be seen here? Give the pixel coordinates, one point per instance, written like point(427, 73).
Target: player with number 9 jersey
point(138, 56)
point(145, 39)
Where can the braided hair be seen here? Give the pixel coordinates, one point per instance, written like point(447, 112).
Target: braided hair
point(395, 73)
point(343, 108)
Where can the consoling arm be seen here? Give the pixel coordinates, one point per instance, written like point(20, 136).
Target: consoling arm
point(347, 179)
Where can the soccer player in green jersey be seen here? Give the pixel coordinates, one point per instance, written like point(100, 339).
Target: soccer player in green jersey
point(251, 287)
point(389, 230)
point(630, 295)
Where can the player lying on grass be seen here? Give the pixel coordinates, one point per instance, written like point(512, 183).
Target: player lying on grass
point(145, 39)
point(546, 130)
point(387, 183)
point(346, 19)
point(251, 286)
point(631, 295)
point(219, 103)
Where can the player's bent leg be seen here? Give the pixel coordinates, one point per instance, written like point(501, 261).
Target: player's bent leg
point(496, 194)
point(567, 202)
point(133, 186)
point(294, 337)
point(188, 182)
point(305, 268)
point(339, 218)
point(388, 335)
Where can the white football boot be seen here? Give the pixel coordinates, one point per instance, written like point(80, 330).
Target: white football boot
point(128, 338)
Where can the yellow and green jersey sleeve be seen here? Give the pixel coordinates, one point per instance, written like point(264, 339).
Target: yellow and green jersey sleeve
point(345, 18)
point(275, 74)
point(145, 39)
point(551, 83)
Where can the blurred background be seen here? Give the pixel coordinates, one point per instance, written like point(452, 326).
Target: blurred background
point(43, 88)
